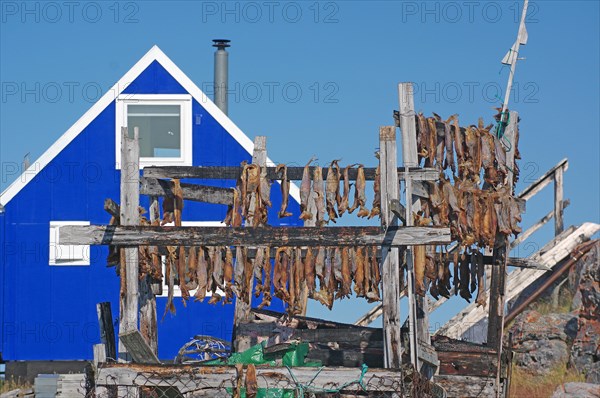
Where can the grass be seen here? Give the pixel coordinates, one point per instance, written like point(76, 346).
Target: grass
point(12, 384)
point(526, 385)
point(544, 305)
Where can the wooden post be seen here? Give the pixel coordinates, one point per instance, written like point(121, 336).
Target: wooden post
point(558, 201)
point(130, 199)
point(242, 309)
point(107, 330)
point(418, 305)
point(148, 319)
point(500, 262)
point(390, 260)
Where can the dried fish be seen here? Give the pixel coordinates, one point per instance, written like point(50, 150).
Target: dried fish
point(376, 210)
point(309, 270)
point(344, 204)
point(266, 301)
point(481, 298)
point(228, 274)
point(305, 192)
point(319, 190)
point(359, 274)
point(285, 190)
point(201, 275)
point(448, 140)
point(420, 260)
point(332, 192)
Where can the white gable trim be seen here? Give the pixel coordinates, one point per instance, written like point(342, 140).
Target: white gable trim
point(155, 54)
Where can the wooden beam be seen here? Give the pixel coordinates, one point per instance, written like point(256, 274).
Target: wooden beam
point(107, 330)
point(543, 181)
point(199, 193)
point(137, 347)
point(558, 201)
point(294, 173)
point(390, 264)
point(187, 378)
point(129, 216)
point(241, 236)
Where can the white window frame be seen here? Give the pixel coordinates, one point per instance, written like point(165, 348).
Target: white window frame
point(176, 288)
point(185, 103)
point(55, 246)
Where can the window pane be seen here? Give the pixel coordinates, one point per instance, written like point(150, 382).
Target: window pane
point(160, 129)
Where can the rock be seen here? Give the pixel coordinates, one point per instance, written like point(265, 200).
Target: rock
point(585, 352)
point(542, 341)
point(579, 390)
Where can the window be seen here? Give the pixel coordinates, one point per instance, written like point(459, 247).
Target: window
point(67, 254)
point(176, 289)
point(165, 128)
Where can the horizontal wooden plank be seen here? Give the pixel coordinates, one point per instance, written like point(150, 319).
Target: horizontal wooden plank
point(200, 193)
point(273, 236)
point(294, 173)
point(189, 378)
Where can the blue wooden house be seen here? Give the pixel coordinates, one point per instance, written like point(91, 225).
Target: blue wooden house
point(49, 291)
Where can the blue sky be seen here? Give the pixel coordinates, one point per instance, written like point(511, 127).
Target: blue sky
point(319, 78)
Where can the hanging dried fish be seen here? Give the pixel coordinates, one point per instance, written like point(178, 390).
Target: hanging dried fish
point(309, 270)
point(325, 293)
point(234, 211)
point(337, 267)
point(373, 293)
point(320, 265)
point(248, 274)
point(376, 210)
point(359, 195)
point(488, 158)
point(344, 204)
point(359, 275)
point(473, 145)
point(422, 137)
point(449, 141)
point(238, 272)
point(346, 285)
point(420, 260)
point(481, 298)
point(266, 301)
point(280, 273)
point(440, 142)
point(251, 383)
point(259, 261)
point(201, 275)
point(332, 192)
point(319, 190)
point(464, 272)
point(228, 274)
point(285, 190)
point(305, 192)
point(171, 260)
point(431, 145)
point(250, 187)
point(191, 269)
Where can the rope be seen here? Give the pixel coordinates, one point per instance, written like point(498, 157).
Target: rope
point(302, 388)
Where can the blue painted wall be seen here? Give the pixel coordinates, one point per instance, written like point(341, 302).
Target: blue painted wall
point(49, 312)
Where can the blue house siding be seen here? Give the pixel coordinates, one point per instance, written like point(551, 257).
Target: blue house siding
point(49, 312)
